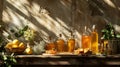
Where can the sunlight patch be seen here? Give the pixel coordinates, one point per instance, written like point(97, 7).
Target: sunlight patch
point(110, 3)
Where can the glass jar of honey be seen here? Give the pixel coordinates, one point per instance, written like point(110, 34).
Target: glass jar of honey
point(86, 40)
point(50, 45)
point(60, 44)
point(71, 43)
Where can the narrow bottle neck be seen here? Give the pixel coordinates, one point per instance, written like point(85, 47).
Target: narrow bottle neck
point(60, 36)
point(49, 39)
point(71, 36)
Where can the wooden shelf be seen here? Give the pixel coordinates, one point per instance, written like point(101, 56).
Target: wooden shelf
point(66, 60)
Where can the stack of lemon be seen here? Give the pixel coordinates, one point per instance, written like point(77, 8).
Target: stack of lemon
point(15, 46)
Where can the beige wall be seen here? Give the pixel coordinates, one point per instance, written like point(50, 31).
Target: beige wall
point(98, 12)
point(51, 17)
point(1, 9)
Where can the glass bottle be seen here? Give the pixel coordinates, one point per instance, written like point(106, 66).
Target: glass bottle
point(86, 40)
point(71, 43)
point(94, 41)
point(60, 43)
point(50, 45)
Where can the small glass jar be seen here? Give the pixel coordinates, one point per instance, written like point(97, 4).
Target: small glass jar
point(60, 44)
point(50, 45)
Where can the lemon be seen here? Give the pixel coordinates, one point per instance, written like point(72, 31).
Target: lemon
point(16, 42)
point(28, 50)
point(8, 45)
point(14, 46)
point(21, 45)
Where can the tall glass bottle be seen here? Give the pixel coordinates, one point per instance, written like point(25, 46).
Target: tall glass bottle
point(94, 41)
point(71, 43)
point(86, 40)
point(60, 43)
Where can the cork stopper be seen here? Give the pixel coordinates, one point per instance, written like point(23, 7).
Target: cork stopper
point(60, 35)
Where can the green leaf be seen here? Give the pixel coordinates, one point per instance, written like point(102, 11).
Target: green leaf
point(25, 28)
point(104, 30)
point(12, 30)
point(118, 35)
point(14, 61)
point(4, 57)
point(16, 35)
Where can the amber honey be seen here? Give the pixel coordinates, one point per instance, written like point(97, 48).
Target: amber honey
point(94, 42)
point(86, 42)
point(60, 45)
point(71, 45)
point(50, 46)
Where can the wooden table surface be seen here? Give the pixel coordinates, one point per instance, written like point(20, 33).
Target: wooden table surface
point(66, 60)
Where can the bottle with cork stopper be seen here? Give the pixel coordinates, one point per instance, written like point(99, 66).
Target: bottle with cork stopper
point(71, 42)
point(60, 44)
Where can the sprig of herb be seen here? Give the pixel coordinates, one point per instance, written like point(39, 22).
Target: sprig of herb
point(109, 32)
point(21, 31)
point(8, 60)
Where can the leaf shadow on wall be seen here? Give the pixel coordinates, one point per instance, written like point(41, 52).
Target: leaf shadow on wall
point(54, 14)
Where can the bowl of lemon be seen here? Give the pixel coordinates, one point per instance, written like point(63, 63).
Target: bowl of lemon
point(15, 47)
